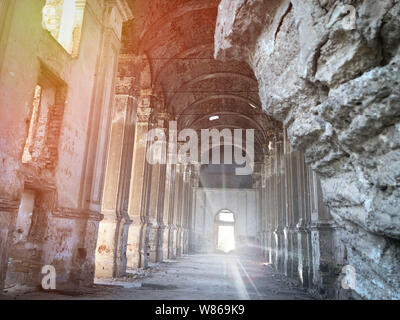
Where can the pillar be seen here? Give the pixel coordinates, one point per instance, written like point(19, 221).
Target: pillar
point(112, 238)
point(270, 218)
point(327, 250)
point(193, 212)
point(138, 232)
point(187, 208)
point(156, 191)
point(165, 229)
point(279, 217)
point(180, 201)
point(107, 182)
point(291, 220)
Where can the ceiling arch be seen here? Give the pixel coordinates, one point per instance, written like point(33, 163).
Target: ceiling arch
point(218, 97)
point(175, 13)
point(226, 115)
point(202, 51)
point(177, 36)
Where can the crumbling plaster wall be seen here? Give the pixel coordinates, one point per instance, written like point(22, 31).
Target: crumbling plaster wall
point(64, 233)
point(335, 86)
point(29, 45)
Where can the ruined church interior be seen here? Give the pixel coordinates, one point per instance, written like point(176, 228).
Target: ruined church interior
point(304, 93)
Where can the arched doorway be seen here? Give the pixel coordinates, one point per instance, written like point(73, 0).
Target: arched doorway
point(225, 231)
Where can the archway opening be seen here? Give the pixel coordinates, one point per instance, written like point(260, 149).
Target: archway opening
point(225, 227)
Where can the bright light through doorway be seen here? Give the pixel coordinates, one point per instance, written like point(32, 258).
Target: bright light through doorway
point(226, 238)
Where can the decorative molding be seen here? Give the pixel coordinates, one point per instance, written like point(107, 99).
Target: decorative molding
point(8, 205)
point(124, 85)
point(162, 120)
point(123, 8)
point(143, 115)
point(70, 213)
point(323, 225)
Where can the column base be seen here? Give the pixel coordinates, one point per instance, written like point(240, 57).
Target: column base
point(304, 256)
point(164, 243)
point(153, 243)
point(185, 247)
point(110, 255)
point(137, 246)
point(178, 242)
point(279, 259)
point(327, 257)
point(172, 242)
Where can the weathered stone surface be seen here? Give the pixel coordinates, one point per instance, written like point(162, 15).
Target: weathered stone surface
point(46, 139)
point(74, 143)
point(334, 81)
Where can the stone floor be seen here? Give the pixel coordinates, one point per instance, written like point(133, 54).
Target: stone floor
point(194, 277)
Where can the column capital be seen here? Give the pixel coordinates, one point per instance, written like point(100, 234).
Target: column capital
point(149, 92)
point(122, 6)
point(162, 120)
point(146, 101)
point(117, 12)
point(124, 85)
point(8, 205)
point(143, 115)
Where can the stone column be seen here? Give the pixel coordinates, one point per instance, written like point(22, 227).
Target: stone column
point(263, 204)
point(112, 237)
point(106, 182)
point(300, 217)
point(164, 224)
point(176, 227)
point(270, 218)
point(264, 209)
point(327, 250)
point(187, 209)
point(172, 215)
point(173, 212)
point(115, 14)
point(137, 237)
point(290, 228)
point(180, 209)
point(168, 202)
point(273, 208)
point(157, 185)
point(193, 212)
point(279, 226)
point(257, 185)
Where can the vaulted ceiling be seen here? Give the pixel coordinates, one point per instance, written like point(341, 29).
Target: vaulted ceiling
point(177, 37)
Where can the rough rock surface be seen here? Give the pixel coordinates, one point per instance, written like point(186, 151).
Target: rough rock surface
point(330, 70)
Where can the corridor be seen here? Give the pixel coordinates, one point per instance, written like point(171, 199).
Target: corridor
point(200, 149)
point(192, 277)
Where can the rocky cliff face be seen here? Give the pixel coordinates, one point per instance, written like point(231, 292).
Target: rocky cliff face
point(330, 71)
